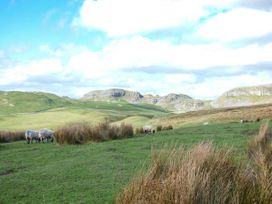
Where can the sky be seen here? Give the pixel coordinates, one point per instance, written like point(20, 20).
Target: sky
point(201, 48)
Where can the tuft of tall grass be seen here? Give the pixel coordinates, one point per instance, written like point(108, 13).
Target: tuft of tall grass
point(11, 136)
point(80, 133)
point(159, 128)
point(169, 127)
point(205, 175)
point(139, 130)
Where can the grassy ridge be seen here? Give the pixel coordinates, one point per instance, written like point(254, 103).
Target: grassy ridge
point(21, 110)
point(95, 172)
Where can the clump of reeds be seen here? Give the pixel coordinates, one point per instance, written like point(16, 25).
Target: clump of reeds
point(159, 128)
point(11, 136)
point(139, 130)
point(205, 175)
point(169, 127)
point(80, 133)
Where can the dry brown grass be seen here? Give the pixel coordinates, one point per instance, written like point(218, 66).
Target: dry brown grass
point(80, 133)
point(205, 175)
point(139, 130)
point(11, 136)
point(251, 113)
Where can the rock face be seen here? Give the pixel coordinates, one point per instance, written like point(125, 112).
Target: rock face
point(113, 94)
point(173, 102)
point(245, 96)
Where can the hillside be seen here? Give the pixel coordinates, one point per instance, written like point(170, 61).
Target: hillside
point(171, 102)
point(25, 102)
point(234, 114)
point(23, 110)
point(245, 96)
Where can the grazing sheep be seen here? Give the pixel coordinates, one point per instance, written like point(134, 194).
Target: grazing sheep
point(31, 135)
point(244, 121)
point(46, 134)
point(148, 129)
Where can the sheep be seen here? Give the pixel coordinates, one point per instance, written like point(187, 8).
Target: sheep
point(206, 123)
point(31, 135)
point(46, 134)
point(148, 129)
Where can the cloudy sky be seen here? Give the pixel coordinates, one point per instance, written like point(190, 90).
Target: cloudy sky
point(196, 47)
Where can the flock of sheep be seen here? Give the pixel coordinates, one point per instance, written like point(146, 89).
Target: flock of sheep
point(39, 136)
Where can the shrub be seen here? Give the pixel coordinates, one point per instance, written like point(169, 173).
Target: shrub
point(159, 128)
point(169, 127)
point(139, 130)
point(74, 133)
point(205, 175)
point(80, 133)
point(10, 136)
point(258, 119)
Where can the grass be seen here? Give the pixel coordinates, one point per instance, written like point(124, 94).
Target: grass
point(96, 172)
point(205, 175)
point(50, 119)
point(81, 133)
point(91, 112)
point(11, 136)
point(137, 121)
point(251, 113)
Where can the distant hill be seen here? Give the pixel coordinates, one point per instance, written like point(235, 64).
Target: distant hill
point(30, 102)
point(172, 102)
point(245, 96)
point(113, 94)
point(18, 102)
point(120, 99)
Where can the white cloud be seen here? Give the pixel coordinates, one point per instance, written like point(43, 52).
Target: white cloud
point(180, 78)
point(213, 87)
point(2, 54)
point(237, 24)
point(36, 68)
point(65, 50)
point(125, 17)
point(141, 53)
point(87, 64)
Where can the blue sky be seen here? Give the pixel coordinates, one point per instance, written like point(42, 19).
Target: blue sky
point(200, 47)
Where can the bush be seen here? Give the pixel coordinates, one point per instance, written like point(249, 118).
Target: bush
point(74, 133)
point(80, 133)
point(169, 127)
point(11, 136)
point(139, 130)
point(159, 128)
point(205, 175)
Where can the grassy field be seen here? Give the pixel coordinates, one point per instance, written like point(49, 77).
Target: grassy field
point(235, 114)
point(96, 172)
point(21, 110)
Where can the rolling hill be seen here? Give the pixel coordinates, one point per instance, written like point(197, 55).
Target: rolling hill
point(23, 110)
point(180, 103)
point(172, 102)
point(245, 96)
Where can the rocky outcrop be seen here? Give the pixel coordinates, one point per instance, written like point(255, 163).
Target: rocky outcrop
point(245, 96)
point(113, 94)
point(173, 102)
